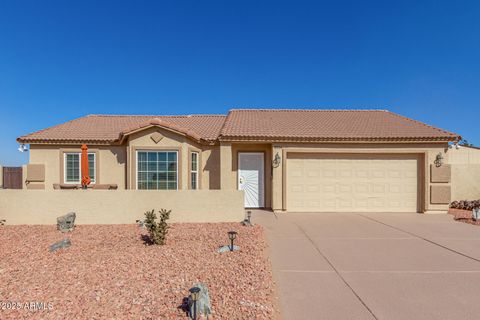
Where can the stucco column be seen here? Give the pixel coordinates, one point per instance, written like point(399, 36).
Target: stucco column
point(128, 163)
point(277, 179)
point(226, 166)
point(24, 176)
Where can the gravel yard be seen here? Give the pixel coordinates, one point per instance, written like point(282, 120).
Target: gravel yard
point(463, 216)
point(109, 272)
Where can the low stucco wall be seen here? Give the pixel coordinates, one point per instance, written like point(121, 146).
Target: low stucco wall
point(465, 173)
point(119, 206)
point(466, 182)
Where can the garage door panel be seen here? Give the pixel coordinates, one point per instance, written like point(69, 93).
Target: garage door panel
point(359, 183)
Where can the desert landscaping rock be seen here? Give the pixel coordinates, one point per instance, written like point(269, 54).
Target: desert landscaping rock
point(140, 223)
point(65, 243)
point(109, 273)
point(247, 223)
point(223, 249)
point(67, 222)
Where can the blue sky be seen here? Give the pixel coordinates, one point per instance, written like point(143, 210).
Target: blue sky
point(62, 59)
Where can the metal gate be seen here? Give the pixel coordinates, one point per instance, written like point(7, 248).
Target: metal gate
point(12, 177)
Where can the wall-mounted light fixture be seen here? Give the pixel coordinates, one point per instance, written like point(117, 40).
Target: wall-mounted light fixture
point(439, 160)
point(22, 148)
point(276, 160)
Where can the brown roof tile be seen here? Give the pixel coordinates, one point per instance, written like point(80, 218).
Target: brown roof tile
point(110, 128)
point(326, 125)
point(251, 124)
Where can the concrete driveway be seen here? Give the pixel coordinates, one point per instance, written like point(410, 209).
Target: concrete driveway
point(374, 266)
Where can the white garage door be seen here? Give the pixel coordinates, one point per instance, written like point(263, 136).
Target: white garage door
point(351, 183)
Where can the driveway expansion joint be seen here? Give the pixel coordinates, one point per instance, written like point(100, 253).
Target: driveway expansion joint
point(337, 272)
point(420, 237)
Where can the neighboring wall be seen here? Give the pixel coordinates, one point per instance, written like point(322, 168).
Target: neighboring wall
point(465, 173)
point(119, 206)
point(1, 177)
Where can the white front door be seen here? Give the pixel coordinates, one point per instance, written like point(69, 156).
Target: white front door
point(251, 178)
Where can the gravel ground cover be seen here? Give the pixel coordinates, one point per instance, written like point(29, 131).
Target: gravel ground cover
point(463, 216)
point(109, 272)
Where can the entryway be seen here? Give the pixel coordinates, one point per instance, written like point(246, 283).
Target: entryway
point(251, 178)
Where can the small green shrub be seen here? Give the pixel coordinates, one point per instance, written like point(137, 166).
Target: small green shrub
point(2, 222)
point(157, 230)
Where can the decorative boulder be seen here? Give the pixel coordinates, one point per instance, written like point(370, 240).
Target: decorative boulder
point(247, 223)
point(223, 249)
point(140, 223)
point(65, 243)
point(204, 307)
point(67, 222)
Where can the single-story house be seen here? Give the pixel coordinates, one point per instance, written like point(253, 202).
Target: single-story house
point(285, 160)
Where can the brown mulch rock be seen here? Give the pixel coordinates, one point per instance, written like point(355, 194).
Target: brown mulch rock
point(463, 216)
point(109, 272)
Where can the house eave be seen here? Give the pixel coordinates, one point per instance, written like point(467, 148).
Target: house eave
point(338, 140)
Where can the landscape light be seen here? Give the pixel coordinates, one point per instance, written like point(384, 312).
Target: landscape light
point(232, 235)
point(194, 295)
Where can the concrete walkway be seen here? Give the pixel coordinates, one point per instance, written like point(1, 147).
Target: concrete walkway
point(374, 266)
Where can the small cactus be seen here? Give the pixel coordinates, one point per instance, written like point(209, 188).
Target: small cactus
point(157, 230)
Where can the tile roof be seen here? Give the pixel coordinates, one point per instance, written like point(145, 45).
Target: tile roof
point(250, 124)
point(111, 128)
point(327, 125)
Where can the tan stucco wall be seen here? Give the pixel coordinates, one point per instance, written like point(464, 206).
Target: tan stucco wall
point(465, 173)
point(119, 206)
point(116, 164)
point(112, 167)
point(111, 163)
point(226, 167)
point(429, 151)
point(1, 177)
point(210, 175)
point(170, 141)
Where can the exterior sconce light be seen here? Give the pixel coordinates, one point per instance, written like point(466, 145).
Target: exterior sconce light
point(232, 235)
point(439, 160)
point(276, 160)
point(194, 295)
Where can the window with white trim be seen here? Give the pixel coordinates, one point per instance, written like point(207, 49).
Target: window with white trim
point(72, 167)
point(157, 170)
point(194, 170)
